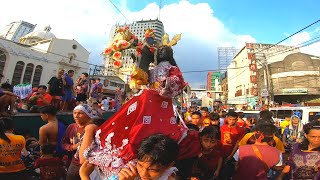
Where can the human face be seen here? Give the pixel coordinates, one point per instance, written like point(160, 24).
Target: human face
point(44, 116)
point(80, 117)
point(231, 120)
point(295, 120)
point(208, 143)
point(60, 74)
point(95, 106)
point(147, 171)
point(41, 90)
point(215, 122)
point(195, 119)
point(204, 113)
point(71, 74)
point(313, 137)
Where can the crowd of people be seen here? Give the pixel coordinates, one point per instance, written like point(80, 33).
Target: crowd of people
point(147, 139)
point(62, 93)
point(231, 148)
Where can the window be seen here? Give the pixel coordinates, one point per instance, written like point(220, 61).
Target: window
point(2, 61)
point(17, 73)
point(28, 73)
point(37, 76)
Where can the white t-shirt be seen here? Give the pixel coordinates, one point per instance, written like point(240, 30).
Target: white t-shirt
point(105, 104)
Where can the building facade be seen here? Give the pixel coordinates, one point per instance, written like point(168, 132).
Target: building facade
point(37, 58)
point(224, 88)
point(243, 84)
point(15, 30)
point(295, 79)
point(213, 80)
point(138, 29)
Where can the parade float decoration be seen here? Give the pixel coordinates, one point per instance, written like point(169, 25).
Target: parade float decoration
point(149, 112)
point(124, 39)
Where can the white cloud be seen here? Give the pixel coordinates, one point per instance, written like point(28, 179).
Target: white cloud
point(308, 40)
point(90, 23)
point(201, 32)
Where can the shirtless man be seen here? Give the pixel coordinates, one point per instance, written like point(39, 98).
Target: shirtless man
point(48, 133)
point(6, 98)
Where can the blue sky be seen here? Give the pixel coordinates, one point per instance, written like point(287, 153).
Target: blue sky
point(204, 24)
point(267, 21)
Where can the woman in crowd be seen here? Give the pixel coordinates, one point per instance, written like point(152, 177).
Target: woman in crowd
point(11, 146)
point(304, 159)
point(293, 133)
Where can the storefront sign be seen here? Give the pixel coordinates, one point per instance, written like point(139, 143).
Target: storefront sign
point(295, 73)
point(295, 91)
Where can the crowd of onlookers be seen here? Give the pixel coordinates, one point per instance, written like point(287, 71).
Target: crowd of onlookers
point(61, 92)
point(231, 147)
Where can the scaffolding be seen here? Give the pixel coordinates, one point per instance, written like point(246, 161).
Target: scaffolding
point(225, 57)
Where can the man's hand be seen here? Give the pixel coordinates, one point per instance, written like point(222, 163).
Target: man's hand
point(85, 170)
point(75, 146)
point(285, 144)
point(286, 169)
point(128, 174)
point(216, 173)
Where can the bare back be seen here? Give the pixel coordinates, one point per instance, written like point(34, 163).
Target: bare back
point(48, 133)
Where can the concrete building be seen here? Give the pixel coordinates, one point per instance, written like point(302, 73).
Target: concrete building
point(15, 30)
point(295, 79)
point(213, 80)
point(243, 84)
point(137, 28)
point(39, 56)
point(224, 88)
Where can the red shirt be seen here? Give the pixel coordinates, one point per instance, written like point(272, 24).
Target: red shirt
point(51, 168)
point(241, 123)
point(211, 160)
point(229, 137)
point(47, 97)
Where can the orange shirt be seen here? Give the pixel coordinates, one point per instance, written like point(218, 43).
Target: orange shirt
point(10, 154)
point(47, 97)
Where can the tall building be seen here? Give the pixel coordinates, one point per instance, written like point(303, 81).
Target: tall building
point(15, 30)
point(137, 28)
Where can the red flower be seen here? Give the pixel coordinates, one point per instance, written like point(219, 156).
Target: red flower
point(116, 56)
point(152, 49)
point(107, 51)
point(117, 63)
point(125, 44)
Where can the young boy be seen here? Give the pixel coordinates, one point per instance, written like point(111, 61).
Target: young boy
point(215, 122)
point(51, 168)
point(205, 116)
point(196, 119)
point(53, 131)
point(231, 134)
point(210, 159)
point(96, 111)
